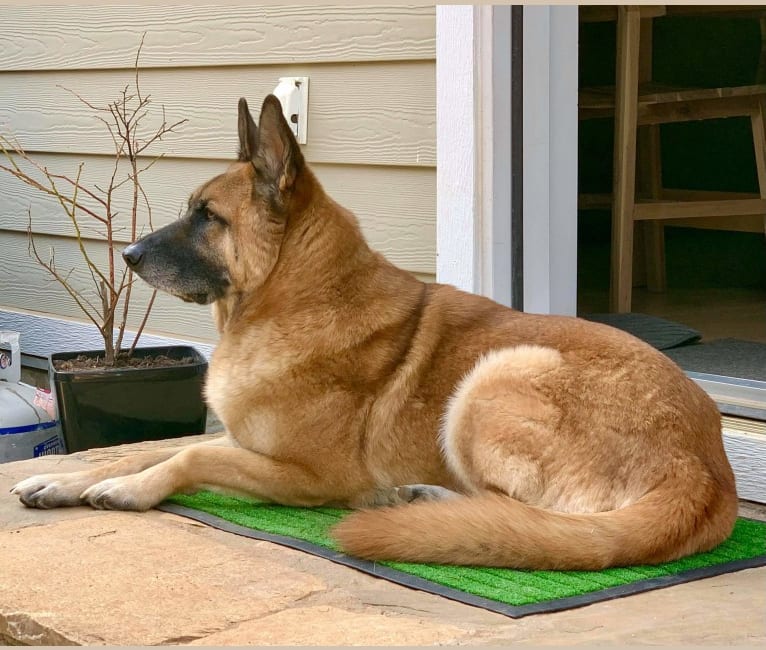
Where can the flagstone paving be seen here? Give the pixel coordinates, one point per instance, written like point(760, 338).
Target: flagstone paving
point(78, 576)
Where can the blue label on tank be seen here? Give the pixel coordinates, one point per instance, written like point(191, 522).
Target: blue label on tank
point(47, 447)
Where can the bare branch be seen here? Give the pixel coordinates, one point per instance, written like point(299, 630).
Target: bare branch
point(50, 266)
point(164, 129)
point(125, 304)
point(138, 56)
point(101, 109)
point(84, 189)
point(51, 190)
point(73, 218)
point(128, 121)
point(148, 207)
point(140, 329)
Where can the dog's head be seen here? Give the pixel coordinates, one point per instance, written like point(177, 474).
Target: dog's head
point(230, 237)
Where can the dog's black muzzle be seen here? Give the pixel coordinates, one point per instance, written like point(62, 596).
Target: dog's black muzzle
point(177, 259)
point(134, 254)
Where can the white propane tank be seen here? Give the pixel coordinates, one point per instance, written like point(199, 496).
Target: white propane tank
point(28, 423)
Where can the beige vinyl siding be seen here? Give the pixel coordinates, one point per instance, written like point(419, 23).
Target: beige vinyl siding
point(91, 37)
point(363, 114)
point(371, 130)
point(394, 204)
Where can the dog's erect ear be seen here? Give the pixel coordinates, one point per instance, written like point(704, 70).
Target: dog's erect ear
point(248, 132)
point(279, 158)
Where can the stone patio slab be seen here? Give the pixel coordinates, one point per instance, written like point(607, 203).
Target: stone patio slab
point(79, 576)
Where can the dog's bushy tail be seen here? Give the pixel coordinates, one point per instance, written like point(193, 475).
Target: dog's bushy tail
point(687, 512)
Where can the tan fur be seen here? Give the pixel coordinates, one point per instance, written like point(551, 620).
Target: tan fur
point(340, 377)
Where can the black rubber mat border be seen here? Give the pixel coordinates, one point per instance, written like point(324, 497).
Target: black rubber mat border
point(407, 580)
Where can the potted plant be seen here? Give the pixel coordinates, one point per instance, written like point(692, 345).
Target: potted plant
point(121, 393)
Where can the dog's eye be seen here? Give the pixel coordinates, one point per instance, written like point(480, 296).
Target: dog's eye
point(215, 218)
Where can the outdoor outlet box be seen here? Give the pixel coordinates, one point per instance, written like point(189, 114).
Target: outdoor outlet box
point(293, 94)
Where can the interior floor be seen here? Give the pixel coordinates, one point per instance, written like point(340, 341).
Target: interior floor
point(714, 312)
point(716, 279)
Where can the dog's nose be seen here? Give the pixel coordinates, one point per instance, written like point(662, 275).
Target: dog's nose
point(133, 255)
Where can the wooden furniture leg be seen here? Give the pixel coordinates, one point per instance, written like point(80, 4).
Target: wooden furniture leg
point(626, 108)
point(758, 121)
point(651, 257)
point(654, 231)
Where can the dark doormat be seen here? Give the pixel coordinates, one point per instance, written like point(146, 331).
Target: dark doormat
point(726, 357)
point(505, 591)
point(658, 332)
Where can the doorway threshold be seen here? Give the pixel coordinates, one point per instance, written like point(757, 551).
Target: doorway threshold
point(735, 396)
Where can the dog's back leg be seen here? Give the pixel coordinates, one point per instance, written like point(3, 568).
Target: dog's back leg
point(497, 421)
point(65, 489)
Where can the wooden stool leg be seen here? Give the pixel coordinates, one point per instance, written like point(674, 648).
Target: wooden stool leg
point(758, 121)
point(626, 108)
point(654, 242)
point(654, 231)
point(760, 72)
point(649, 245)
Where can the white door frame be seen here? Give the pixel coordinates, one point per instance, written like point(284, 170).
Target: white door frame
point(473, 127)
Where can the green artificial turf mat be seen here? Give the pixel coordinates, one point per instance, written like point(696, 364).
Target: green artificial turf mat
point(507, 591)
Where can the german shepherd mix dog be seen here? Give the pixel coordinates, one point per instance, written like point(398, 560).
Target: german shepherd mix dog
point(464, 431)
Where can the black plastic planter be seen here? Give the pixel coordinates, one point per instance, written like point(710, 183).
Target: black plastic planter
point(114, 406)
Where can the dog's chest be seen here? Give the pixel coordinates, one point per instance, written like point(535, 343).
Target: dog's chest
point(247, 392)
point(235, 379)
point(253, 426)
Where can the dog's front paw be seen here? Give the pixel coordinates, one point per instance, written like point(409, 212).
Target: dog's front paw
point(51, 490)
point(121, 493)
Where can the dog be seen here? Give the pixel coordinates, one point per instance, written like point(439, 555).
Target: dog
point(460, 431)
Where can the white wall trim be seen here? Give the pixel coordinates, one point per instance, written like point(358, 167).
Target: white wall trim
point(550, 159)
point(457, 205)
point(473, 131)
point(494, 128)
